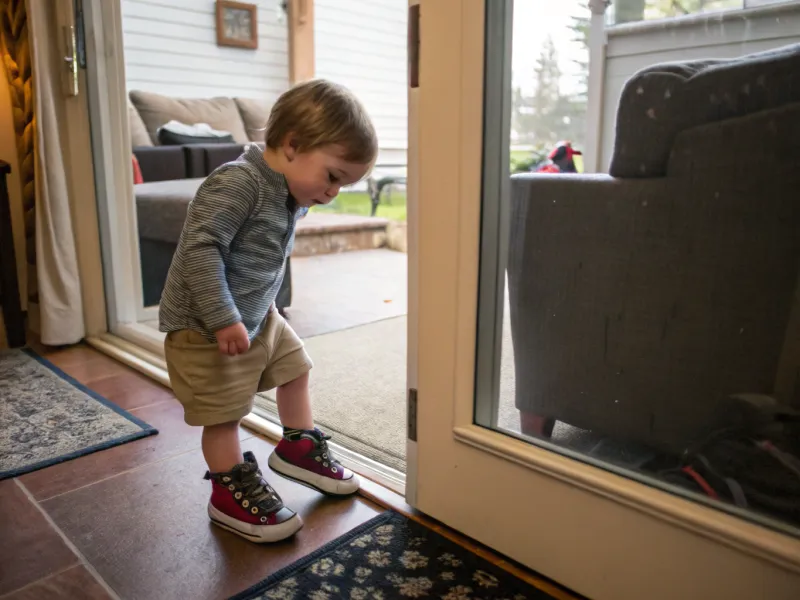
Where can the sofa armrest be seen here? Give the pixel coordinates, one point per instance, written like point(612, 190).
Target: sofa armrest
point(590, 267)
point(161, 163)
point(590, 209)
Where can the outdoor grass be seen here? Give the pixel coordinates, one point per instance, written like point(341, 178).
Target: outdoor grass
point(357, 203)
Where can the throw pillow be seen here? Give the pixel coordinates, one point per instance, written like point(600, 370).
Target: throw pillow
point(137, 171)
point(180, 134)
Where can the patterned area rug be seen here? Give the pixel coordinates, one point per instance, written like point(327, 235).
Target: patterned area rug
point(392, 557)
point(46, 417)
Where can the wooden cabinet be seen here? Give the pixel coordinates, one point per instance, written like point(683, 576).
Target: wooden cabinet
point(9, 284)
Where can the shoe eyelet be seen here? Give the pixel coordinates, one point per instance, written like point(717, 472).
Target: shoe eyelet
point(325, 465)
point(231, 487)
point(334, 470)
point(254, 510)
point(226, 479)
point(263, 519)
point(245, 503)
point(318, 459)
point(325, 455)
point(238, 495)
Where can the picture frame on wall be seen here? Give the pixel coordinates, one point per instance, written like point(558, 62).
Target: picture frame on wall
point(237, 24)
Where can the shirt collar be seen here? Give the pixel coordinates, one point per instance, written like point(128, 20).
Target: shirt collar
point(255, 156)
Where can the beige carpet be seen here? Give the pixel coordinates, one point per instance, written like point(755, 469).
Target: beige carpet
point(358, 387)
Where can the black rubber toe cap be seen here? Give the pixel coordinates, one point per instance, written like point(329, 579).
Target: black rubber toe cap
point(284, 515)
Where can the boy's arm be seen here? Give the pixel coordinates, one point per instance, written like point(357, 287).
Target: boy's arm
point(223, 203)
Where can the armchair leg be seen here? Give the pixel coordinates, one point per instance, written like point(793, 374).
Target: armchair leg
point(536, 425)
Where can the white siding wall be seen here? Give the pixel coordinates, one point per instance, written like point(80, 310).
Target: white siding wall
point(171, 49)
point(362, 44)
point(634, 47)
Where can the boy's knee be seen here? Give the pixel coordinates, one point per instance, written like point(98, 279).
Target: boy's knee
point(301, 381)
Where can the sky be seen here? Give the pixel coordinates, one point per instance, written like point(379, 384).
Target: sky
point(534, 20)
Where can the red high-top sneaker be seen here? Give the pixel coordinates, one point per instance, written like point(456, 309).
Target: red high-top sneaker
point(244, 503)
point(306, 459)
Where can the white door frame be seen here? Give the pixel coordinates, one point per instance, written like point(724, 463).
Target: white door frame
point(111, 142)
point(597, 532)
point(131, 342)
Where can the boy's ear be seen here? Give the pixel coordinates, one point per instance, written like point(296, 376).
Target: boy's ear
point(290, 146)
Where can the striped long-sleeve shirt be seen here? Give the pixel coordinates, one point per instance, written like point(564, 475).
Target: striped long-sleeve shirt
point(231, 255)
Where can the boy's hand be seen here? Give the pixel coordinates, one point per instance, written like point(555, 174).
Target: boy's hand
point(233, 339)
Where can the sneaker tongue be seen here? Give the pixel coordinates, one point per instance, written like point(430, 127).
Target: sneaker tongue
point(250, 465)
point(319, 435)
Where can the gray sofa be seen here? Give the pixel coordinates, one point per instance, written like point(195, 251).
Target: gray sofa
point(643, 299)
point(172, 173)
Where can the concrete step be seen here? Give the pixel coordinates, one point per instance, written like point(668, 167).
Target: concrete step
point(325, 233)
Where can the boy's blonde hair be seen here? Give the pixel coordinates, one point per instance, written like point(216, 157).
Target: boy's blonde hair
point(321, 113)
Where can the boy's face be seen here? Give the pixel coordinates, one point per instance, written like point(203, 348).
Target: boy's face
point(315, 177)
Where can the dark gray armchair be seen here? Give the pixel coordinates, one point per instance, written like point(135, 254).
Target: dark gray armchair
point(642, 300)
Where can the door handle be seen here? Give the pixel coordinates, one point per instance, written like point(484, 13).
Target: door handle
point(71, 60)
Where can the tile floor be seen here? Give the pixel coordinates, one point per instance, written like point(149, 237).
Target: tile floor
point(129, 522)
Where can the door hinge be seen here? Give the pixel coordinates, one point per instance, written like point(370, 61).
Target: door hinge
point(412, 414)
point(413, 46)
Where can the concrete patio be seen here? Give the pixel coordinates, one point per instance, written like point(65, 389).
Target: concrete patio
point(350, 309)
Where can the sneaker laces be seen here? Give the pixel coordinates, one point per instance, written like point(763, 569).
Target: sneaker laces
point(247, 480)
point(256, 489)
point(322, 450)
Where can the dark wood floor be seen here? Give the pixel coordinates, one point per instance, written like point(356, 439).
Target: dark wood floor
point(130, 522)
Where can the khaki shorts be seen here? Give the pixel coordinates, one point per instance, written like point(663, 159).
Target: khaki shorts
point(216, 388)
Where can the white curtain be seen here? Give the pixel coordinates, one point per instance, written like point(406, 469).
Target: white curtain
point(60, 305)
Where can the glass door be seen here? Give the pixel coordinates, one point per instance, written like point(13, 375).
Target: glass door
point(537, 422)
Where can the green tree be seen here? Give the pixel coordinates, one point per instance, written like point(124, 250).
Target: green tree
point(629, 11)
point(533, 116)
point(580, 27)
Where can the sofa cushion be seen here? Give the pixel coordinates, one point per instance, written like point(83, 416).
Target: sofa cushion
point(180, 134)
point(219, 113)
point(161, 208)
point(254, 114)
point(139, 135)
point(161, 163)
point(661, 101)
point(203, 159)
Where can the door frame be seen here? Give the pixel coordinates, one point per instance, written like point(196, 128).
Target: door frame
point(611, 527)
point(111, 142)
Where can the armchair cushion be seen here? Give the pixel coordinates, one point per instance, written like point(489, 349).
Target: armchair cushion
point(661, 101)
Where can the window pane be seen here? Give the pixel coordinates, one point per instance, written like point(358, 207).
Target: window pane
point(646, 321)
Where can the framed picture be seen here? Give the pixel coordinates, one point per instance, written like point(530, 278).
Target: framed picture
point(237, 24)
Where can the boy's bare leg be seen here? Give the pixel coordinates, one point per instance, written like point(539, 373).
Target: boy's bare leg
point(294, 404)
point(221, 447)
point(304, 455)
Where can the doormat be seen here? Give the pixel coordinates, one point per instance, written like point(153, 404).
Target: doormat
point(391, 557)
point(46, 417)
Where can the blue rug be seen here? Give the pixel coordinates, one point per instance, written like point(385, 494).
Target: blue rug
point(391, 557)
point(46, 417)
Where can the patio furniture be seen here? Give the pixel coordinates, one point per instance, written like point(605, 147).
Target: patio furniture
point(161, 209)
point(172, 173)
point(376, 184)
point(640, 301)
